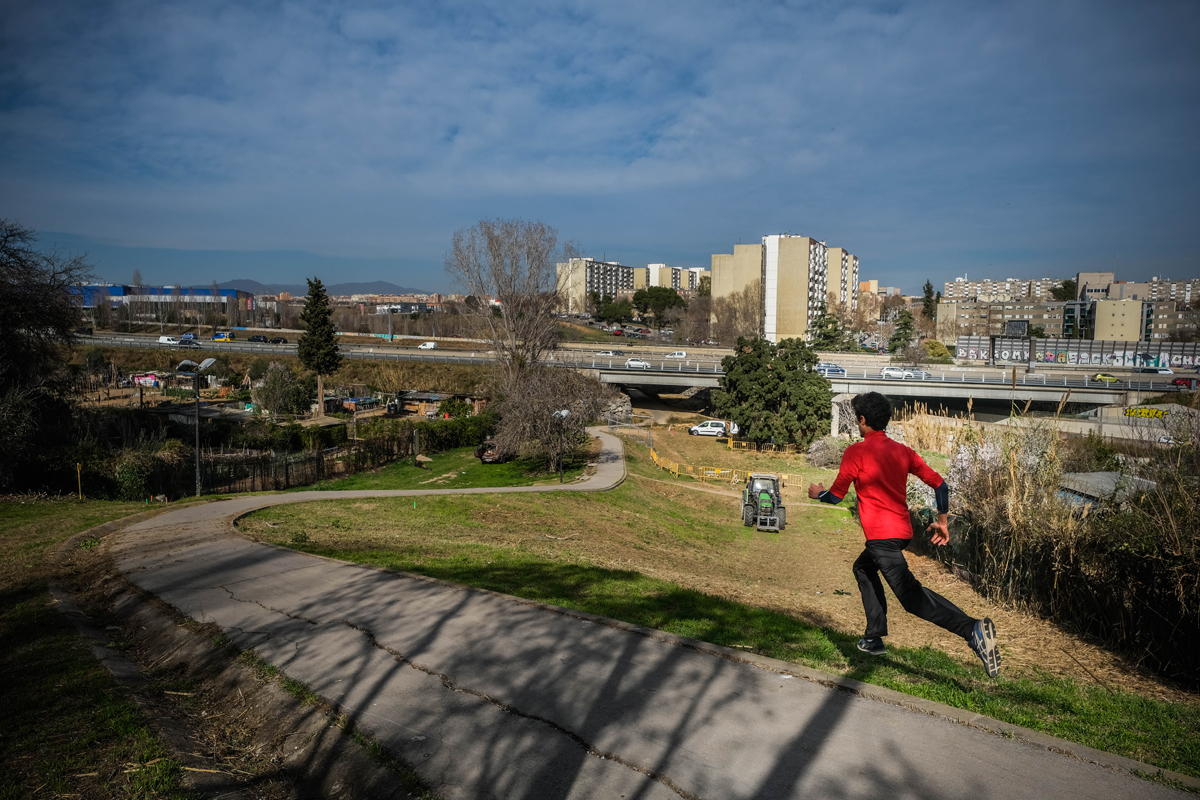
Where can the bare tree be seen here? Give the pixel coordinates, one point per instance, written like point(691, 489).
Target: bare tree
point(739, 314)
point(528, 422)
point(512, 263)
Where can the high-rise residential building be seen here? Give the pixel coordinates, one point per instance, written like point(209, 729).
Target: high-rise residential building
point(579, 277)
point(843, 278)
point(795, 282)
point(792, 275)
point(733, 272)
point(681, 279)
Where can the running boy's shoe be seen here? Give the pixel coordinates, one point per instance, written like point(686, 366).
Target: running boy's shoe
point(873, 646)
point(983, 642)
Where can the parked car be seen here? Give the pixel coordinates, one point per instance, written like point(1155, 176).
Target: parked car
point(677, 354)
point(427, 346)
point(259, 339)
point(222, 337)
point(830, 370)
point(637, 363)
point(1104, 377)
point(712, 427)
point(711, 342)
point(609, 354)
point(278, 340)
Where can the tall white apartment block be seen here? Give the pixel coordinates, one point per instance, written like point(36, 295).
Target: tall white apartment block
point(795, 282)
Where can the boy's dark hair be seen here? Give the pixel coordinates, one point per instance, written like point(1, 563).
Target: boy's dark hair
point(876, 408)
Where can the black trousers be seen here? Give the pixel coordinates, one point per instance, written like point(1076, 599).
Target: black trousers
point(887, 556)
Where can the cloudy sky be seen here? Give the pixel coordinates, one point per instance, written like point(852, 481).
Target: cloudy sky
point(201, 141)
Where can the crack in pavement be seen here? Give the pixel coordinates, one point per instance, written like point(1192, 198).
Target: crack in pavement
point(296, 617)
point(590, 749)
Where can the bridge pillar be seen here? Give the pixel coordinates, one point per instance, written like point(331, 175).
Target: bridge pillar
point(835, 422)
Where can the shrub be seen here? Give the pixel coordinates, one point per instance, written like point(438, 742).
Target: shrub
point(827, 451)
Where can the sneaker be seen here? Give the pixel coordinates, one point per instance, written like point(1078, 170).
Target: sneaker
point(873, 646)
point(983, 642)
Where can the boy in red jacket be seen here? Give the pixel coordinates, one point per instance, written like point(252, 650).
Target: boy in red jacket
point(879, 468)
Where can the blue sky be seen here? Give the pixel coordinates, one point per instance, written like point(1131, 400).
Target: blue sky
point(273, 141)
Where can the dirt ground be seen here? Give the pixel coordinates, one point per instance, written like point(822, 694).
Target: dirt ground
point(811, 578)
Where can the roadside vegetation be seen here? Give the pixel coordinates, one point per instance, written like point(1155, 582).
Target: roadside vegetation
point(457, 469)
point(68, 728)
point(668, 554)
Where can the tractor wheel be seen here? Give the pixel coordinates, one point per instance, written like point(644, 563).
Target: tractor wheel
point(748, 514)
point(782, 517)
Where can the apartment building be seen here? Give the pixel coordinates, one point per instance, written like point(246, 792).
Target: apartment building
point(1101, 320)
point(579, 277)
point(842, 280)
point(997, 291)
point(733, 272)
point(681, 279)
point(1059, 320)
point(1103, 286)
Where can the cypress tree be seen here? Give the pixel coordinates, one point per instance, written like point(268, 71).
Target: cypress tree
point(318, 348)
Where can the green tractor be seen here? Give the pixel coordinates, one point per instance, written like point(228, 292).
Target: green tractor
point(762, 503)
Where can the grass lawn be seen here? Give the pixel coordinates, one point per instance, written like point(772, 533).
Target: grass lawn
point(68, 729)
point(656, 552)
point(455, 469)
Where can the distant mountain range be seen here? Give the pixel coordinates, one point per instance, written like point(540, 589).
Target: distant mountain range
point(299, 289)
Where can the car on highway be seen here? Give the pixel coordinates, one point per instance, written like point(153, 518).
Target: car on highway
point(278, 340)
point(902, 373)
point(677, 354)
point(1185, 382)
point(188, 344)
point(427, 346)
point(830, 370)
point(1104, 377)
point(711, 427)
point(637, 363)
point(1156, 370)
point(222, 337)
point(188, 335)
point(258, 339)
point(609, 354)
point(83, 330)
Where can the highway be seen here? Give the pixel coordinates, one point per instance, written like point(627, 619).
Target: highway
point(701, 368)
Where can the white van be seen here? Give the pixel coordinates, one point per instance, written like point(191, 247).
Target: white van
point(427, 346)
point(171, 340)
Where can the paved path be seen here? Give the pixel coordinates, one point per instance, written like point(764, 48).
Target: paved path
point(493, 697)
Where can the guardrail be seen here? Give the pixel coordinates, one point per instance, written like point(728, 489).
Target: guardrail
point(661, 366)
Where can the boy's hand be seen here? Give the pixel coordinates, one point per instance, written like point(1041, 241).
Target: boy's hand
point(815, 489)
point(941, 530)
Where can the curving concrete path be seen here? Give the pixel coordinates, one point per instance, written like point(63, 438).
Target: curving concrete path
point(493, 697)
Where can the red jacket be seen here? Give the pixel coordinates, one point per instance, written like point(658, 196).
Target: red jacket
point(879, 468)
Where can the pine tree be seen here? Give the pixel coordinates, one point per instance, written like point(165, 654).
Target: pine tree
point(827, 332)
point(318, 348)
point(903, 334)
point(929, 305)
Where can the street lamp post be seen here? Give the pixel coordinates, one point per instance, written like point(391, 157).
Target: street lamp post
point(561, 416)
point(208, 362)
